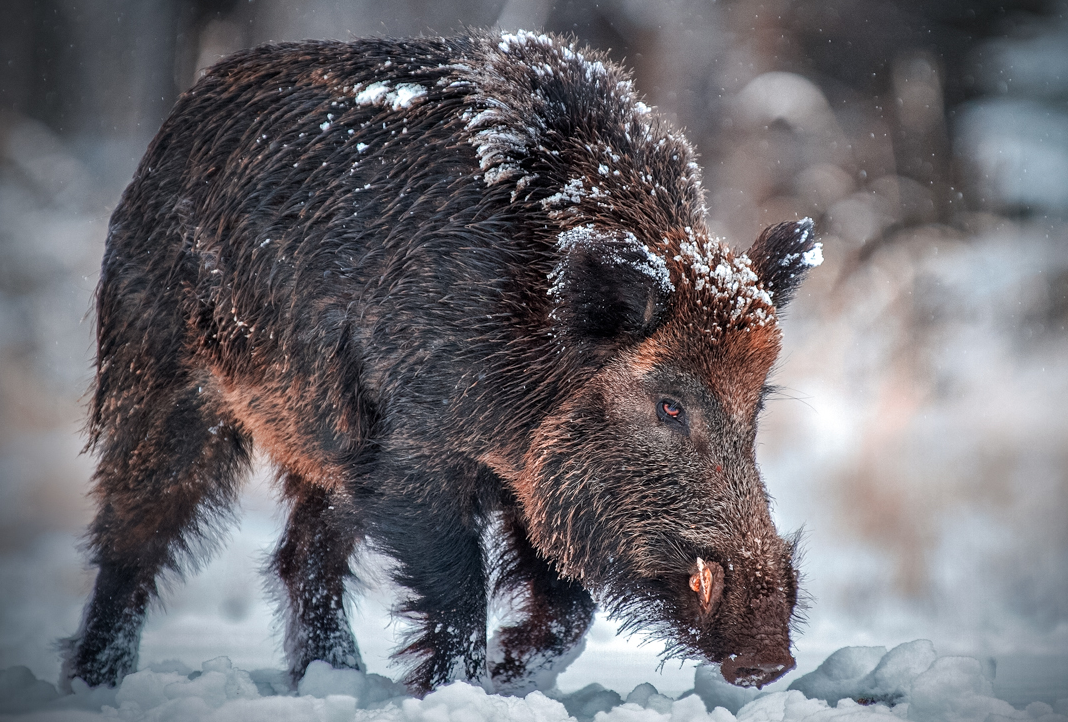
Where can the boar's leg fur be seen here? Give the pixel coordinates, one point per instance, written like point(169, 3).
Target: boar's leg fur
point(168, 469)
point(312, 562)
point(555, 614)
point(440, 560)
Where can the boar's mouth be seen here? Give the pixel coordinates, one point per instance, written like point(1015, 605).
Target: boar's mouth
point(709, 639)
point(710, 615)
point(747, 671)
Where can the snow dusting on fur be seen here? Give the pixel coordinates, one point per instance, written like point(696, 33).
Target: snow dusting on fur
point(730, 280)
point(372, 94)
point(653, 265)
point(405, 94)
point(812, 257)
point(498, 144)
point(521, 38)
point(380, 94)
point(571, 195)
point(506, 128)
point(612, 248)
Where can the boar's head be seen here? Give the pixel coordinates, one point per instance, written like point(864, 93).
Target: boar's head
point(643, 483)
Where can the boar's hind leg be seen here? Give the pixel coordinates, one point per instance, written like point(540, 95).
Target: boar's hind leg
point(440, 560)
point(168, 473)
point(312, 561)
point(554, 616)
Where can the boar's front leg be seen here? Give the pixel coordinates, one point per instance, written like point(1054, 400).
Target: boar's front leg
point(312, 561)
point(438, 548)
point(555, 614)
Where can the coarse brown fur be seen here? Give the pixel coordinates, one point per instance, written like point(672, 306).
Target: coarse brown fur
point(452, 289)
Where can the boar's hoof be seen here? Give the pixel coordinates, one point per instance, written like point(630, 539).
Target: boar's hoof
point(746, 671)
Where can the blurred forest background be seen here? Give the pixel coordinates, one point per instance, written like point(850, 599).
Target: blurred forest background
point(922, 433)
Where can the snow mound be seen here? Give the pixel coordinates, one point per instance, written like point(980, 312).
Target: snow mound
point(870, 674)
point(855, 684)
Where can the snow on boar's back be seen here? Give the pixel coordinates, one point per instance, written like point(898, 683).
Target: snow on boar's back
point(460, 292)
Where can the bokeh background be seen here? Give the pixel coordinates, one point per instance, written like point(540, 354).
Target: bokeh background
point(921, 433)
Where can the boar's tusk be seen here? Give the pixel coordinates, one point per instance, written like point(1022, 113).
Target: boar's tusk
point(708, 583)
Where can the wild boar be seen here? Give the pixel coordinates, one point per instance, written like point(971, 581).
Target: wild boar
point(461, 293)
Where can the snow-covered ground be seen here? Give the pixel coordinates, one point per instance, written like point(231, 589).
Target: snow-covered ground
point(908, 682)
point(222, 615)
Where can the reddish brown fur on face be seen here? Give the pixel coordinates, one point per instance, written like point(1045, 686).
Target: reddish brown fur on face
point(582, 485)
point(735, 367)
point(730, 347)
point(698, 493)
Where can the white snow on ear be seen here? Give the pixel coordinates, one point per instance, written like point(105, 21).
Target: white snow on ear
point(782, 256)
point(813, 257)
point(622, 249)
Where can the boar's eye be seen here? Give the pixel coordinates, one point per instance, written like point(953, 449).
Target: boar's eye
point(671, 413)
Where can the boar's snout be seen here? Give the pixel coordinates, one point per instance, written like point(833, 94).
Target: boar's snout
point(749, 635)
point(756, 670)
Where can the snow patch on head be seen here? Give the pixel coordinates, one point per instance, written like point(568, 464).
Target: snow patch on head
point(522, 38)
point(729, 279)
point(572, 195)
point(509, 109)
point(499, 143)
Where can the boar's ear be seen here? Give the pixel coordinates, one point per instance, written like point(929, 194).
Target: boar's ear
point(783, 255)
point(607, 288)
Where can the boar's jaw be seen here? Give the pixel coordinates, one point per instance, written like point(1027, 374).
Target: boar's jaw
point(747, 629)
point(752, 651)
point(756, 670)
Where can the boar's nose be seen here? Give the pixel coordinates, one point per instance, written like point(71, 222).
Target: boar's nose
point(756, 670)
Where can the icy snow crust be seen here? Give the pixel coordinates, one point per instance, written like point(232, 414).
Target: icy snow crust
point(910, 682)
